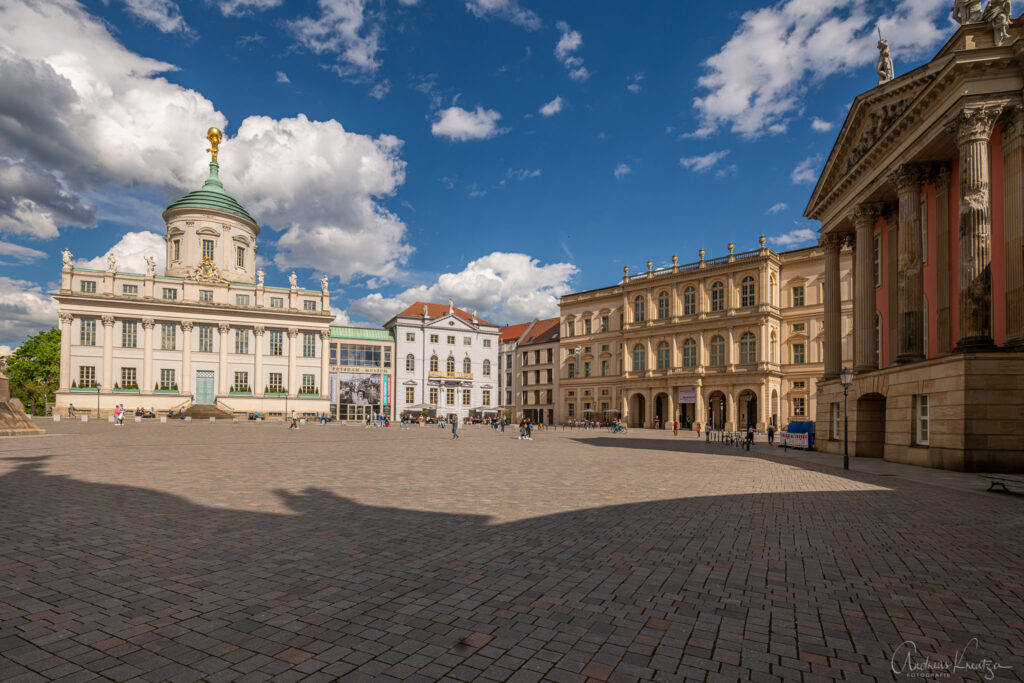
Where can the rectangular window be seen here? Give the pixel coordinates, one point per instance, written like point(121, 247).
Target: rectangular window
point(87, 337)
point(834, 407)
point(130, 290)
point(129, 378)
point(170, 293)
point(487, 343)
point(241, 299)
point(800, 384)
point(799, 354)
point(129, 334)
point(449, 395)
point(572, 370)
point(241, 340)
point(410, 336)
point(206, 295)
point(276, 302)
point(359, 355)
point(309, 345)
point(586, 369)
point(798, 296)
point(508, 398)
point(88, 286)
point(467, 341)
point(241, 382)
point(799, 327)
point(604, 323)
point(799, 407)
point(276, 342)
point(276, 384)
point(572, 328)
point(208, 249)
point(467, 396)
point(309, 304)
point(410, 394)
point(451, 340)
point(387, 356)
point(877, 247)
point(486, 397)
point(433, 396)
point(586, 326)
point(240, 258)
point(572, 410)
point(433, 339)
point(921, 420)
point(206, 339)
point(168, 338)
point(176, 250)
point(167, 379)
point(308, 384)
point(87, 376)
point(604, 368)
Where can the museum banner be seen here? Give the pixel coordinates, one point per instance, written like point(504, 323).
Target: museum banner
point(687, 394)
point(359, 389)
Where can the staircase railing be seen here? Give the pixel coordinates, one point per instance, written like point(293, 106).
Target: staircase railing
point(224, 405)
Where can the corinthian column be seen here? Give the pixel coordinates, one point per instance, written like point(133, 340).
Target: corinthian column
point(941, 179)
point(865, 357)
point(973, 128)
point(325, 347)
point(257, 380)
point(108, 352)
point(185, 385)
point(222, 364)
point(147, 354)
point(65, 351)
point(910, 300)
point(833, 311)
point(292, 334)
point(1013, 225)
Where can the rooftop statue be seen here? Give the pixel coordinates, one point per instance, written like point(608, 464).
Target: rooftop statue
point(998, 15)
point(260, 275)
point(66, 257)
point(214, 136)
point(967, 11)
point(293, 280)
point(111, 263)
point(150, 266)
point(884, 65)
point(324, 284)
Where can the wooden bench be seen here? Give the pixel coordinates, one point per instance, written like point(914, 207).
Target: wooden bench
point(1002, 481)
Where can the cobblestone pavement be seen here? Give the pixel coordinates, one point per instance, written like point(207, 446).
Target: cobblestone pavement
point(246, 552)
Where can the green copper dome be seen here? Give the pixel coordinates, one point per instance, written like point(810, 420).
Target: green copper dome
point(212, 196)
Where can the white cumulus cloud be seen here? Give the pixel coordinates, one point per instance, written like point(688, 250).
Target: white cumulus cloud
point(569, 41)
point(508, 10)
point(553, 107)
point(778, 208)
point(282, 77)
point(165, 15)
point(458, 124)
point(794, 238)
point(621, 171)
point(806, 172)
point(757, 81)
point(820, 125)
point(502, 287)
point(9, 250)
point(342, 28)
point(24, 309)
point(131, 252)
point(703, 163)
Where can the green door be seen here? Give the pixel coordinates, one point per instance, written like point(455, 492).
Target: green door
point(204, 387)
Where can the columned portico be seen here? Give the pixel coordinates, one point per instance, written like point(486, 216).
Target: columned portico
point(973, 128)
point(833, 311)
point(864, 352)
point(906, 180)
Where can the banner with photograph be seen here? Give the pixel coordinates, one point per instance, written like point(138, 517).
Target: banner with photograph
point(359, 389)
point(687, 394)
point(332, 387)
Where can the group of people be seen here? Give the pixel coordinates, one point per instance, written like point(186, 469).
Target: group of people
point(526, 429)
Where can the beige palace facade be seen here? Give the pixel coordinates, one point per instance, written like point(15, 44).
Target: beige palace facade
point(925, 181)
point(722, 343)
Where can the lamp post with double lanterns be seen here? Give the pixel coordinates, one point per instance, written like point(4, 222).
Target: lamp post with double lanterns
point(846, 378)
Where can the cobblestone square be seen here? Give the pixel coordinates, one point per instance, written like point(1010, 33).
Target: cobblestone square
point(248, 552)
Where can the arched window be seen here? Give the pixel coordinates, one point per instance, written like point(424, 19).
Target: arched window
point(639, 358)
point(748, 348)
point(433, 363)
point(664, 359)
point(773, 350)
point(663, 306)
point(718, 297)
point(689, 301)
point(487, 368)
point(747, 291)
point(410, 362)
point(717, 351)
point(689, 354)
point(450, 364)
point(638, 309)
point(467, 366)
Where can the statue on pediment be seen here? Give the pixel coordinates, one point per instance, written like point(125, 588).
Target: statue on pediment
point(967, 11)
point(884, 65)
point(998, 15)
point(66, 257)
point(260, 276)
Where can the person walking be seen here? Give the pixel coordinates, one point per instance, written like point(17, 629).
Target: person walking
point(71, 410)
point(698, 430)
point(750, 436)
point(771, 434)
point(675, 428)
point(455, 428)
point(529, 429)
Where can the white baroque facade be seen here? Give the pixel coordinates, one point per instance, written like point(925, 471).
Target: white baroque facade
point(206, 332)
point(446, 360)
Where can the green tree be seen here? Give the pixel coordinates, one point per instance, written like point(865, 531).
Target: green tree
point(34, 370)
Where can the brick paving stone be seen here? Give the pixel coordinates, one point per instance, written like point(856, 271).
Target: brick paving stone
point(251, 552)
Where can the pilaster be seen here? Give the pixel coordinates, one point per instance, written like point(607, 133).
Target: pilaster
point(222, 365)
point(147, 355)
point(185, 383)
point(257, 381)
point(108, 352)
point(292, 334)
point(325, 340)
point(65, 351)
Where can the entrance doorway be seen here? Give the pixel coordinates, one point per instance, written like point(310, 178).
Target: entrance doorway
point(637, 410)
point(748, 409)
point(687, 415)
point(716, 410)
point(204, 387)
point(661, 410)
point(870, 426)
point(775, 408)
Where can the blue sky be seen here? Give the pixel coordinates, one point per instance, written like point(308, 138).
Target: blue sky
point(502, 152)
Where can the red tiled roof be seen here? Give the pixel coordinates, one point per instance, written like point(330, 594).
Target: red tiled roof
point(438, 311)
point(512, 332)
point(543, 332)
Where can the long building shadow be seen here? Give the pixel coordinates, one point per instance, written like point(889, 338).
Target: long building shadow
point(120, 581)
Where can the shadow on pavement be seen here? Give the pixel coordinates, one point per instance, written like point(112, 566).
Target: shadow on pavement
point(123, 581)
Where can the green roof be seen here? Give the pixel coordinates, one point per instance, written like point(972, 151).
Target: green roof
point(361, 333)
point(212, 196)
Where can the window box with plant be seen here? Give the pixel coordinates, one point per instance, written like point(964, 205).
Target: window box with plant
point(126, 388)
point(240, 390)
point(309, 391)
point(173, 389)
point(84, 387)
point(276, 392)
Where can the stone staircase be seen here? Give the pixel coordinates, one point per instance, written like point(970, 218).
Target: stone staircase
point(205, 412)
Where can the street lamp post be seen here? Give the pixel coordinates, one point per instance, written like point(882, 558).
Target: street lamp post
point(846, 378)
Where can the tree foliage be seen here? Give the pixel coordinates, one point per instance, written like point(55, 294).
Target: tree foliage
point(34, 370)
